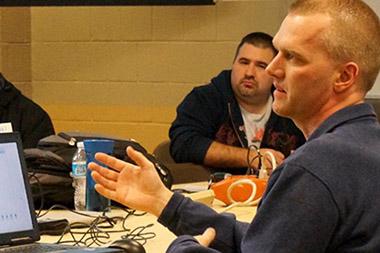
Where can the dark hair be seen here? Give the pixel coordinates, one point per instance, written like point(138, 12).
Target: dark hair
point(257, 39)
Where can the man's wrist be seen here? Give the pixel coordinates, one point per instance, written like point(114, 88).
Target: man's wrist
point(161, 202)
point(253, 158)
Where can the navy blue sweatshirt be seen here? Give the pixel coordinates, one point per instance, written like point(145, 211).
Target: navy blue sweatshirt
point(324, 197)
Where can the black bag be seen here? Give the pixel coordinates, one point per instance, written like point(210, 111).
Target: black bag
point(50, 164)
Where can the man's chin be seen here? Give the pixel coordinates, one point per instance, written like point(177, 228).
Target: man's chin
point(280, 109)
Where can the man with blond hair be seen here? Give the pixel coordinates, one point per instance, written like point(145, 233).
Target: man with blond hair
point(325, 196)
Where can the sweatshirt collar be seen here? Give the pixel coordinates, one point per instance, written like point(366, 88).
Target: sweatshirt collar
point(349, 113)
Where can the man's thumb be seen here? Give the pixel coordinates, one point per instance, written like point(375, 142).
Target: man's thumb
point(207, 237)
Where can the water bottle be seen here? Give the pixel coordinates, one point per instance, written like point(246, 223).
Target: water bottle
point(78, 174)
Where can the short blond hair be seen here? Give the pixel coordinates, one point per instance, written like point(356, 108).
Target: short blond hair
point(354, 34)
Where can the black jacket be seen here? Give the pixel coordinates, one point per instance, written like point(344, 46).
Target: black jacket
point(26, 117)
point(211, 113)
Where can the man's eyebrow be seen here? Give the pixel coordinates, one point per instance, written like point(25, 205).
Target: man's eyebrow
point(256, 61)
point(262, 62)
point(243, 58)
point(289, 51)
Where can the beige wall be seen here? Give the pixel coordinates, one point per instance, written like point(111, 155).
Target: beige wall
point(123, 70)
point(15, 50)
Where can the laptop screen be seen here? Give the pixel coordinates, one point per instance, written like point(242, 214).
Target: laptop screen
point(17, 216)
point(14, 216)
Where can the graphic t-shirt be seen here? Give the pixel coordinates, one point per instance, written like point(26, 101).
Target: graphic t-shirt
point(254, 124)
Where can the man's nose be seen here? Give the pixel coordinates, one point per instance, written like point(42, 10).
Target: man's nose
point(250, 71)
point(274, 69)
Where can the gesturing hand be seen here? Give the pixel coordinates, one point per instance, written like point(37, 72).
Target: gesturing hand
point(136, 186)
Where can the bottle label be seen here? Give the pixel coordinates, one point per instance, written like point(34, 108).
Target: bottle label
point(79, 168)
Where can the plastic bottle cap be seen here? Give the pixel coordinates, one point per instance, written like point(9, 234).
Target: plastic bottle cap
point(80, 144)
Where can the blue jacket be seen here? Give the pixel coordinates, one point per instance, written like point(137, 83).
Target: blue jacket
point(325, 197)
point(211, 113)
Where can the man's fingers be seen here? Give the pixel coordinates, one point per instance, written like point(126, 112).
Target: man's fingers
point(111, 161)
point(279, 157)
point(105, 172)
point(100, 179)
point(105, 192)
point(139, 158)
point(207, 237)
point(270, 154)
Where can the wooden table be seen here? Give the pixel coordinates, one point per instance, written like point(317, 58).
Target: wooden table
point(163, 237)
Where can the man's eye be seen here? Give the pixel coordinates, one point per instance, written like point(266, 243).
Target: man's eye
point(288, 56)
point(244, 62)
point(263, 66)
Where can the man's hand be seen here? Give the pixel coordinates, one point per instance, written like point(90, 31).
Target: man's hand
point(207, 237)
point(224, 156)
point(279, 157)
point(136, 186)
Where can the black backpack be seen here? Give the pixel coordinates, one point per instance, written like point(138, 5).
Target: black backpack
point(50, 165)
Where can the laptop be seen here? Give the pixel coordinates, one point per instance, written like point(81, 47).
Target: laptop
point(18, 224)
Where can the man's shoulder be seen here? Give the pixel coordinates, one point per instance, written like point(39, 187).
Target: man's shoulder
point(219, 86)
point(29, 108)
point(334, 154)
point(207, 89)
point(11, 96)
point(338, 163)
point(27, 102)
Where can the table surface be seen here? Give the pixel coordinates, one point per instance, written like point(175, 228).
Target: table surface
point(159, 243)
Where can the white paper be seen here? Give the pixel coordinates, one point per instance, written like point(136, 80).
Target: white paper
point(6, 127)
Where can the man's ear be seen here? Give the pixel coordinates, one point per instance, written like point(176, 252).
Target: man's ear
point(347, 77)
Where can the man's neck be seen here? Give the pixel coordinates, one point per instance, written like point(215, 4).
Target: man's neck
point(309, 125)
point(256, 107)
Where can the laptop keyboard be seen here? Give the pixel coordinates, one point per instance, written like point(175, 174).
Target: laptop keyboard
point(35, 248)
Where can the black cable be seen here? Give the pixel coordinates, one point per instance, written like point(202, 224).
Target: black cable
point(32, 175)
point(138, 235)
point(99, 231)
point(251, 170)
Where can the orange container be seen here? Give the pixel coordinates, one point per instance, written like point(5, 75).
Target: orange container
point(240, 192)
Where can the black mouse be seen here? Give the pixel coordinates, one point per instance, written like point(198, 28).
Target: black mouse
point(128, 245)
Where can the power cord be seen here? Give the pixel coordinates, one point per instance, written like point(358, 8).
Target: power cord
point(263, 173)
point(249, 202)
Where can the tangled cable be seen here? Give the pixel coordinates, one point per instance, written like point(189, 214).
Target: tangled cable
point(98, 231)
